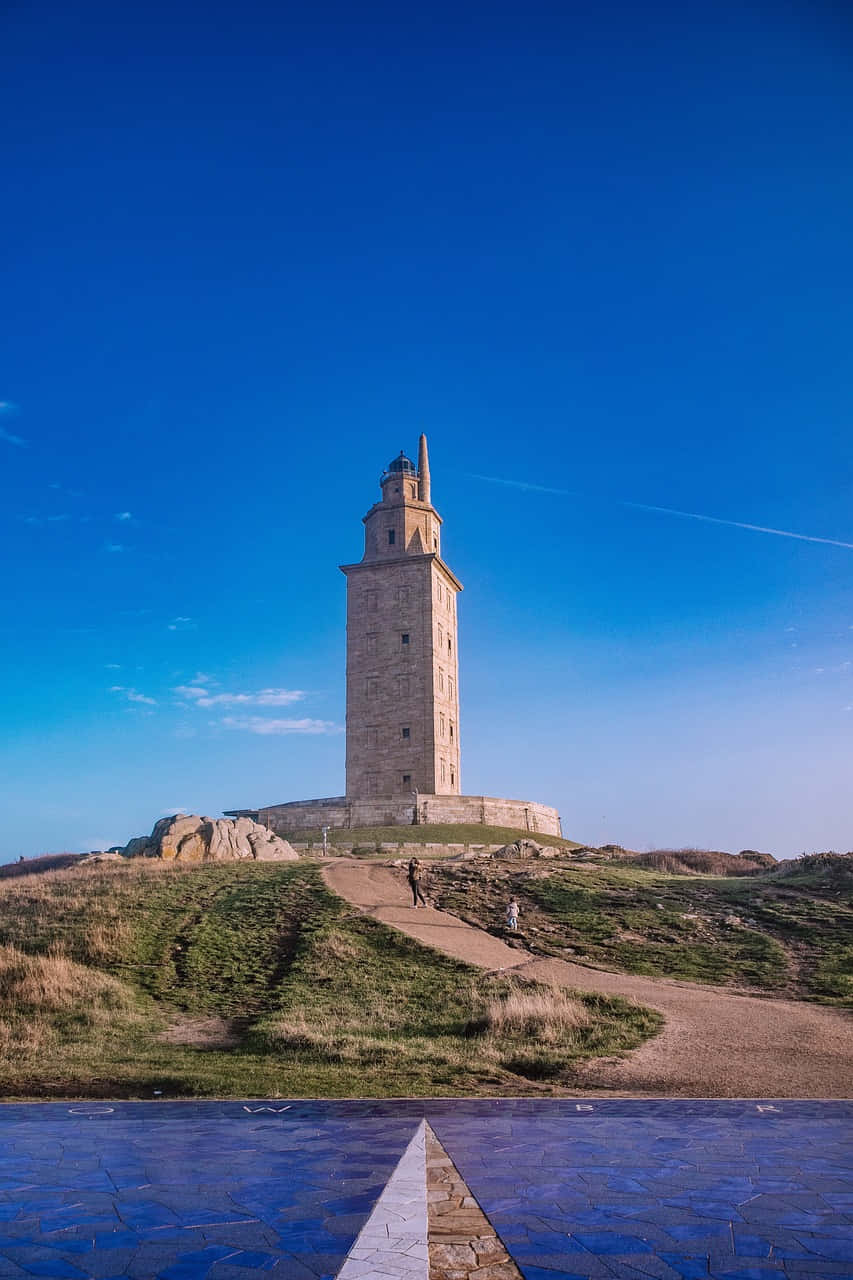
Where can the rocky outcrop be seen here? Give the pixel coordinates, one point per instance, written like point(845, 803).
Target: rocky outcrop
point(524, 848)
point(189, 838)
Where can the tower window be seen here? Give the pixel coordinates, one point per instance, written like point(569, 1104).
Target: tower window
point(392, 537)
point(441, 724)
point(449, 645)
point(438, 590)
point(440, 634)
point(443, 772)
point(405, 637)
point(407, 733)
point(403, 596)
point(450, 687)
point(441, 680)
point(452, 778)
point(407, 779)
point(451, 730)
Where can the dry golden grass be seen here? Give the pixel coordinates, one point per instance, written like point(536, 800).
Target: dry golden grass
point(48, 1000)
point(705, 862)
point(52, 982)
point(74, 884)
point(324, 1040)
point(542, 1016)
point(106, 942)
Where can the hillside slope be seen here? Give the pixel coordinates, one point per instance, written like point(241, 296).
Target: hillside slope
point(126, 979)
point(715, 1043)
point(782, 933)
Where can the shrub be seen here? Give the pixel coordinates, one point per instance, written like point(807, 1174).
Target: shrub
point(703, 862)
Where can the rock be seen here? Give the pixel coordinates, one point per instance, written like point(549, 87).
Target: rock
point(189, 838)
point(137, 848)
point(522, 848)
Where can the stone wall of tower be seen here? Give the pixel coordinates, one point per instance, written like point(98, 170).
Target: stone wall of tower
point(445, 685)
point(402, 678)
point(342, 812)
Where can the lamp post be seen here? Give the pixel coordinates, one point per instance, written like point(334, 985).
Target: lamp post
point(325, 841)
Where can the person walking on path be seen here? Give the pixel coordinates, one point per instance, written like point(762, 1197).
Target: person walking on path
point(415, 875)
point(512, 915)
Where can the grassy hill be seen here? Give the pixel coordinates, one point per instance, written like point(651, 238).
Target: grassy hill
point(366, 840)
point(130, 979)
point(787, 931)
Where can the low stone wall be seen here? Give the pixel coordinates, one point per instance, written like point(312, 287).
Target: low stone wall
point(344, 813)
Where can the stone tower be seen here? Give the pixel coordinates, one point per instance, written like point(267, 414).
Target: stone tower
point(402, 660)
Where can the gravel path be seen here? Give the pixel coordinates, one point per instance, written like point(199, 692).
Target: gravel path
point(716, 1043)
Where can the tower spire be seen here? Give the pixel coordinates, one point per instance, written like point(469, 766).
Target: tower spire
point(423, 470)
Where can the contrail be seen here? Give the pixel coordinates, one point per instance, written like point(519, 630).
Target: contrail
point(669, 511)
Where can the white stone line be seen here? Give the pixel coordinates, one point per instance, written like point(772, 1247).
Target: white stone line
point(392, 1244)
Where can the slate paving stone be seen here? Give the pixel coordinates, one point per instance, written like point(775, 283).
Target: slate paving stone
point(121, 1188)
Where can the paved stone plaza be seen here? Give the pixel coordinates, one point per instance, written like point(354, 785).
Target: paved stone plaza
point(555, 1189)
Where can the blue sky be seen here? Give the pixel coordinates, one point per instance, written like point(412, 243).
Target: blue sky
point(602, 258)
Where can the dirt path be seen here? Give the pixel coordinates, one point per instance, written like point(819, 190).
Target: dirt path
point(716, 1044)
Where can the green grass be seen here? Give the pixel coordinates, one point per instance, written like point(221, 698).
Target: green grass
point(368, 839)
point(765, 932)
point(325, 1002)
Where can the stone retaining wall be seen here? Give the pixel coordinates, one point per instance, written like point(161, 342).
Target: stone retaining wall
point(344, 813)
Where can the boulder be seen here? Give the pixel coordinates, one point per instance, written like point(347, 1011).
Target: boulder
point(190, 838)
point(519, 849)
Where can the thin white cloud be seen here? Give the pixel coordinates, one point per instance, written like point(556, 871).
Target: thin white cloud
point(202, 697)
point(181, 624)
point(7, 408)
point(132, 695)
point(112, 666)
point(123, 515)
point(173, 812)
point(257, 724)
point(670, 511)
point(40, 520)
